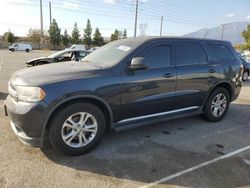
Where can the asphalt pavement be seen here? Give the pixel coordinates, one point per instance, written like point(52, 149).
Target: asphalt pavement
point(187, 152)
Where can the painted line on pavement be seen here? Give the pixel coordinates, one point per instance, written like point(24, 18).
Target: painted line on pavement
point(173, 176)
point(1, 62)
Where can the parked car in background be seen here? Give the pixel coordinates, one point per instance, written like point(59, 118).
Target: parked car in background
point(64, 55)
point(126, 83)
point(93, 49)
point(20, 47)
point(78, 47)
point(246, 65)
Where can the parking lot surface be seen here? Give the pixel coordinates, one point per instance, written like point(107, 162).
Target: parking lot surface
point(187, 152)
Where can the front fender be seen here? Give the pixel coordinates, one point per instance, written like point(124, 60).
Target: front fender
point(64, 100)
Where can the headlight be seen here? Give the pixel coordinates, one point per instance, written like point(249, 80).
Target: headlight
point(27, 94)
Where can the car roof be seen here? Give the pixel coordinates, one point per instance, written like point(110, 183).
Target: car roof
point(151, 38)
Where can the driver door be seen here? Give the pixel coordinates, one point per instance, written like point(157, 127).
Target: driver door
point(65, 57)
point(152, 90)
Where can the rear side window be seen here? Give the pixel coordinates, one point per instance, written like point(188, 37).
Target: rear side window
point(189, 53)
point(159, 56)
point(221, 52)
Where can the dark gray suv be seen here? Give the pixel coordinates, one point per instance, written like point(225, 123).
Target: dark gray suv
point(126, 83)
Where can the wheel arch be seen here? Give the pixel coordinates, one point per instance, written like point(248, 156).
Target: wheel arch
point(224, 85)
point(105, 108)
point(248, 71)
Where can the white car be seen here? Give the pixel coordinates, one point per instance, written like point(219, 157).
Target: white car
point(20, 47)
point(78, 47)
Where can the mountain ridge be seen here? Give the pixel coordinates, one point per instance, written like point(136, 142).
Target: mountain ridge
point(230, 31)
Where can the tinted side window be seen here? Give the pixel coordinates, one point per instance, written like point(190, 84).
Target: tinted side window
point(221, 52)
point(159, 56)
point(188, 53)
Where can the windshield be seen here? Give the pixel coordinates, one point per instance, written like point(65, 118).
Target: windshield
point(111, 54)
point(56, 54)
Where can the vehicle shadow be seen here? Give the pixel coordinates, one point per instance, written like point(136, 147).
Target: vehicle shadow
point(149, 153)
point(3, 96)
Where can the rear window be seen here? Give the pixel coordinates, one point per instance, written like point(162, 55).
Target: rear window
point(189, 53)
point(221, 52)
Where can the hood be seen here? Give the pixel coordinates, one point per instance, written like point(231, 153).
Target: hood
point(37, 59)
point(44, 74)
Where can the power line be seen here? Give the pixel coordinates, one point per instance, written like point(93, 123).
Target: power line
point(177, 19)
point(80, 28)
point(174, 15)
point(199, 12)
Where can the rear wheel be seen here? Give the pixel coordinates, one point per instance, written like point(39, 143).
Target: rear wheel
point(216, 105)
point(40, 63)
point(77, 129)
point(12, 50)
point(245, 76)
point(27, 50)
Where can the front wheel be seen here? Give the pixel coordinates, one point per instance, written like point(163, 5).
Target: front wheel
point(245, 76)
point(77, 128)
point(216, 105)
point(27, 50)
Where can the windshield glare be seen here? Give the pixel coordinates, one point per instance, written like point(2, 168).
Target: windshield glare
point(110, 54)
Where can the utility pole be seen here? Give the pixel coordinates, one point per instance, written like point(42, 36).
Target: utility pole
point(136, 13)
point(223, 30)
point(161, 25)
point(50, 17)
point(205, 34)
point(41, 16)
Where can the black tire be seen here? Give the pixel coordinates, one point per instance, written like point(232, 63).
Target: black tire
point(27, 50)
point(12, 50)
point(245, 76)
point(207, 110)
point(40, 63)
point(56, 124)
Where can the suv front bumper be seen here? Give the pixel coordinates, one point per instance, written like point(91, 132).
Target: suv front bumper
point(34, 142)
point(26, 120)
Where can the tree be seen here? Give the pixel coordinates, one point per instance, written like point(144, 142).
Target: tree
point(124, 34)
point(246, 34)
point(9, 37)
point(75, 35)
point(87, 34)
point(115, 35)
point(97, 39)
point(35, 36)
point(65, 38)
point(54, 33)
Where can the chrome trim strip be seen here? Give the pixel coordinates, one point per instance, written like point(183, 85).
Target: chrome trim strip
point(158, 114)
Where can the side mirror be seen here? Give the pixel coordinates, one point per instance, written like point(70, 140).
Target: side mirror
point(137, 63)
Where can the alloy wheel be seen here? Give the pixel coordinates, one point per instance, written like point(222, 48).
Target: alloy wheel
point(79, 129)
point(219, 104)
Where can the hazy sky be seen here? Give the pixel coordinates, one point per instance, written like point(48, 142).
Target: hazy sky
point(180, 16)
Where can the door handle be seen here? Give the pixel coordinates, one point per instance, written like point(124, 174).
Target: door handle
point(168, 75)
point(212, 71)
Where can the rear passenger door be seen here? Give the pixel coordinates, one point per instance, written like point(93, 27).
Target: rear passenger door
point(194, 73)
